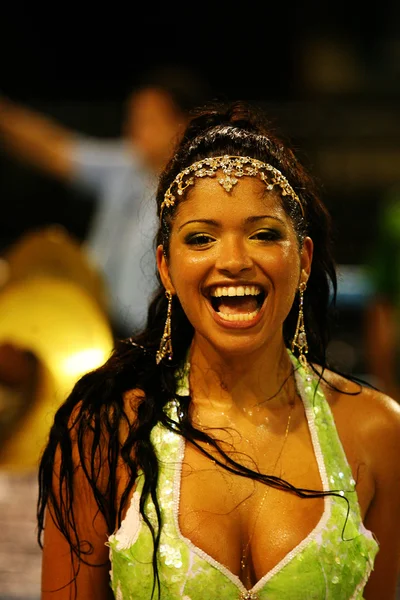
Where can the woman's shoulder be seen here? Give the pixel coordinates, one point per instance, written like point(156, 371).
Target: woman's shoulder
point(85, 420)
point(353, 394)
point(371, 417)
point(132, 399)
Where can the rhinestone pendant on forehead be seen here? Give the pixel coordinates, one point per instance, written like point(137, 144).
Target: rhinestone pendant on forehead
point(233, 168)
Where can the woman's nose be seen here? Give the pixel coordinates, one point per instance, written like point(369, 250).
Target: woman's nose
point(233, 257)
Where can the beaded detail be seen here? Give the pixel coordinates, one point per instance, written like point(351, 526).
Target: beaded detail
point(233, 168)
point(331, 562)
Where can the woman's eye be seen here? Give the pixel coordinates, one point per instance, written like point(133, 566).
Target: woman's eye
point(198, 239)
point(266, 235)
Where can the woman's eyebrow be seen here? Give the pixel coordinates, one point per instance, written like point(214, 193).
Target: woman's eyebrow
point(203, 221)
point(254, 219)
point(212, 222)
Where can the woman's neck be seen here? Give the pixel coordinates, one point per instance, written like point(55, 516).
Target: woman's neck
point(243, 381)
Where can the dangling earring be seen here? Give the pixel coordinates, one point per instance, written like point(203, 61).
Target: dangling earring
point(300, 338)
point(165, 348)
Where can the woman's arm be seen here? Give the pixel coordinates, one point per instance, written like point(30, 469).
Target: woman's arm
point(64, 575)
point(383, 516)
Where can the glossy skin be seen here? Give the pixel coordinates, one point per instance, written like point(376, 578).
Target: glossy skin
point(232, 357)
point(234, 240)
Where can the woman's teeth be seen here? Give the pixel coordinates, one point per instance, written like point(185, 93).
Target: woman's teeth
point(238, 316)
point(248, 290)
point(237, 303)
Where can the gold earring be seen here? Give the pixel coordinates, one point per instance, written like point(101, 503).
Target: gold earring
point(165, 348)
point(300, 338)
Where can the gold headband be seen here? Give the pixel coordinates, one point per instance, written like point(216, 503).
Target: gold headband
point(233, 167)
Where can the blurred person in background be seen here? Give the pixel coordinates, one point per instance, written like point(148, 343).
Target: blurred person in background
point(121, 174)
point(382, 315)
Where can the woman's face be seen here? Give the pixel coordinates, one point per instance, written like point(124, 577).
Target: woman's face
point(235, 264)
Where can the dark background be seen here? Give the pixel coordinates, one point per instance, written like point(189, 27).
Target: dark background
point(329, 75)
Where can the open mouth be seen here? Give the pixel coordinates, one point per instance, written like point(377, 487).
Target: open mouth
point(237, 303)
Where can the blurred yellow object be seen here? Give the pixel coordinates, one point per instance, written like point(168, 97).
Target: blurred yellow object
point(54, 252)
point(60, 320)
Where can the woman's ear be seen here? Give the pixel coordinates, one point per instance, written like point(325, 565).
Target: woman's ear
point(163, 269)
point(306, 259)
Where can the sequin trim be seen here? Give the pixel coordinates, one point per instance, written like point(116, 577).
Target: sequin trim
point(307, 389)
point(319, 526)
point(129, 531)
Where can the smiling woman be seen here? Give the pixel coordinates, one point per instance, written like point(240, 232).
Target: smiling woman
point(234, 263)
point(216, 454)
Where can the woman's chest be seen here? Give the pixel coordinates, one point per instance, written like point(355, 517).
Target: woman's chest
point(237, 519)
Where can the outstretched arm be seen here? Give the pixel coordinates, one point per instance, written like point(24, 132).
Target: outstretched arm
point(36, 139)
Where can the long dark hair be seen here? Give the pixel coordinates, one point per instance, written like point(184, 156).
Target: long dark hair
point(92, 416)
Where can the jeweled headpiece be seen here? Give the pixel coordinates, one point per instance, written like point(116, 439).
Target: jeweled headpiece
point(232, 167)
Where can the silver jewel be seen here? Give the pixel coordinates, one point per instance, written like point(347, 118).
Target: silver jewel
point(232, 167)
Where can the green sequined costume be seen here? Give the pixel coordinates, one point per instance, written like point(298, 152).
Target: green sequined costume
point(323, 566)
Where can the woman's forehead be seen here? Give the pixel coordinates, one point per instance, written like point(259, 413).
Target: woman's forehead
point(247, 197)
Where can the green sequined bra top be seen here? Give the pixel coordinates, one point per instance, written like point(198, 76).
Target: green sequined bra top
point(329, 564)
